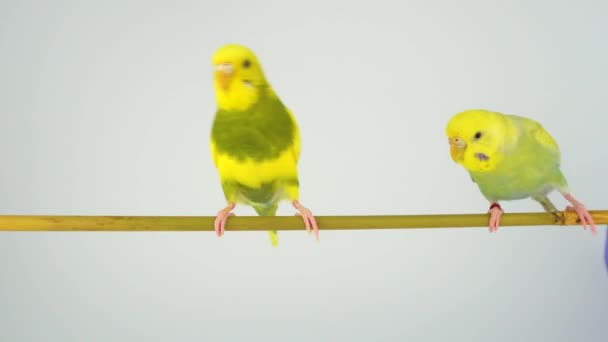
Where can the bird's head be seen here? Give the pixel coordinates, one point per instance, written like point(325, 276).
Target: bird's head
point(238, 77)
point(477, 139)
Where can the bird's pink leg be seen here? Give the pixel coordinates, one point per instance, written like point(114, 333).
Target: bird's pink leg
point(309, 219)
point(495, 213)
point(581, 211)
point(220, 219)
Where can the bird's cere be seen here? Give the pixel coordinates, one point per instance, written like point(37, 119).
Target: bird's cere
point(457, 142)
point(226, 68)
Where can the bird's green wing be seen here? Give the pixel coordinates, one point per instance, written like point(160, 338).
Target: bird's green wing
point(536, 131)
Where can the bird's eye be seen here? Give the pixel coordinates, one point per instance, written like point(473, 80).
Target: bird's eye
point(246, 63)
point(477, 135)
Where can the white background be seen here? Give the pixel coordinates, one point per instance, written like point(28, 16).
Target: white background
point(106, 109)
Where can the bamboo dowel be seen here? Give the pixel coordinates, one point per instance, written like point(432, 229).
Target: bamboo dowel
point(255, 223)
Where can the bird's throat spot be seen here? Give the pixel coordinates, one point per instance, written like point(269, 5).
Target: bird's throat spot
point(481, 156)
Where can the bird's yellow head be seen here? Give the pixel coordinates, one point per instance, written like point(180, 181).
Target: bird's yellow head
point(477, 139)
point(238, 77)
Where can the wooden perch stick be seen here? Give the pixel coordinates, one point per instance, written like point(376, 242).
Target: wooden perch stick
point(253, 223)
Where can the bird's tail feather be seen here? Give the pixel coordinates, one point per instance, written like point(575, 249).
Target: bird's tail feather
point(269, 210)
point(274, 238)
point(546, 203)
point(548, 206)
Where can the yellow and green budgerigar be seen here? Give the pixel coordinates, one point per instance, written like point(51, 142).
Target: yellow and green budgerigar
point(255, 140)
point(510, 157)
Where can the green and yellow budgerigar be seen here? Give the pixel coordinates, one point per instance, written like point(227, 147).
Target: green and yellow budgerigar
point(255, 140)
point(510, 157)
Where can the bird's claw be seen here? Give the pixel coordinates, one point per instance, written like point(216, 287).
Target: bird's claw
point(221, 218)
point(309, 219)
point(495, 213)
point(308, 230)
point(583, 216)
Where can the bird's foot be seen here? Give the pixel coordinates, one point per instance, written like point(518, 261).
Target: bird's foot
point(221, 218)
point(495, 213)
point(309, 219)
point(583, 215)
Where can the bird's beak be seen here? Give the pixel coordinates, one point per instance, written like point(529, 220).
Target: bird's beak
point(223, 74)
point(457, 147)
